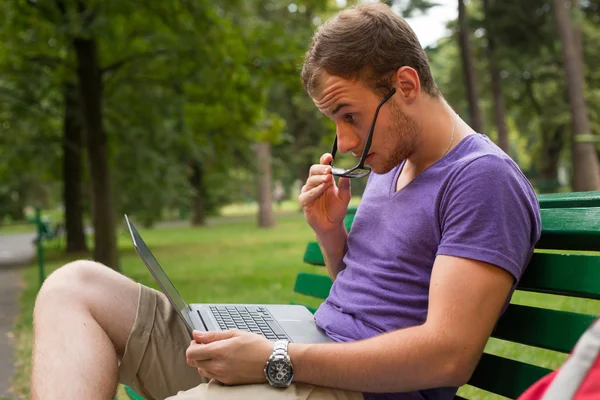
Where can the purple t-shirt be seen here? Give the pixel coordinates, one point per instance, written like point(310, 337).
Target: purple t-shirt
point(473, 203)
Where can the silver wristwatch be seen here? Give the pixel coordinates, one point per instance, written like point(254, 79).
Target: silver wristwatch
point(279, 370)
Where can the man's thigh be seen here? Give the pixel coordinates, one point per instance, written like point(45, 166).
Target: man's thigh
point(298, 391)
point(154, 362)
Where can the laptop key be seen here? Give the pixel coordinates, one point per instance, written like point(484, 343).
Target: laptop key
point(276, 328)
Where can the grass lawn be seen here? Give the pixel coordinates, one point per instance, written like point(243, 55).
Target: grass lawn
point(237, 262)
point(13, 229)
point(225, 262)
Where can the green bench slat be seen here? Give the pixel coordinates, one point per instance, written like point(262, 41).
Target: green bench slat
point(313, 285)
point(132, 395)
point(313, 255)
point(568, 224)
point(562, 229)
point(570, 229)
point(564, 274)
point(569, 200)
point(505, 377)
point(548, 329)
point(348, 219)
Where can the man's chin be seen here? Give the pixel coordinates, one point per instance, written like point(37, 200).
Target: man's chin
point(382, 169)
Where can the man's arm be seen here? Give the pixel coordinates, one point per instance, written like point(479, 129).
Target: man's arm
point(333, 246)
point(466, 297)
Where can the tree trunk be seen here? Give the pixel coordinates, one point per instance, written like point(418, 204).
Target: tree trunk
point(266, 218)
point(496, 80)
point(197, 183)
point(72, 168)
point(586, 169)
point(103, 210)
point(553, 142)
point(469, 68)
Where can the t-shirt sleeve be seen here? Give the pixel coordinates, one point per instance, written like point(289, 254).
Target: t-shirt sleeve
point(490, 213)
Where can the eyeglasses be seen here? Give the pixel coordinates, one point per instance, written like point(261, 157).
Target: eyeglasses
point(360, 170)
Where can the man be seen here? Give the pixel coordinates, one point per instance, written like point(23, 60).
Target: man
point(444, 231)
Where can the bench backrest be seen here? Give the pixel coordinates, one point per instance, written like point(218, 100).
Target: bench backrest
point(564, 263)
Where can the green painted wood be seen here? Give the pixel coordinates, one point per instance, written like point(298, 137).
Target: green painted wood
point(349, 218)
point(570, 229)
point(569, 200)
point(564, 274)
point(313, 285)
point(548, 329)
point(313, 255)
point(132, 395)
point(570, 222)
point(505, 377)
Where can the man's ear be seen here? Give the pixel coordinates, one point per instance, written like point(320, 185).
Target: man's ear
point(407, 83)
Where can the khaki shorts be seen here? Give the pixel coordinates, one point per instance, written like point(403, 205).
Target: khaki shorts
point(154, 362)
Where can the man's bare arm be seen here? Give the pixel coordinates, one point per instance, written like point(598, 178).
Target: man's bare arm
point(466, 298)
point(333, 246)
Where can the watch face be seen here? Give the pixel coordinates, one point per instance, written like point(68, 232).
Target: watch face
point(279, 371)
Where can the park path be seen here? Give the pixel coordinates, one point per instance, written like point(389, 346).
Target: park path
point(16, 251)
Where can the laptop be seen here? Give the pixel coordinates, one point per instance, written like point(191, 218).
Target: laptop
point(273, 321)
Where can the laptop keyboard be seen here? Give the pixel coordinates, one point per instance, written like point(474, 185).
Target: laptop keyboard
point(248, 318)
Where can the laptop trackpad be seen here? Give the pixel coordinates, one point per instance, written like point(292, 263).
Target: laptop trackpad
point(304, 331)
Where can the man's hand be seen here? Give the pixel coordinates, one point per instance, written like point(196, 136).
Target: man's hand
point(231, 357)
point(323, 203)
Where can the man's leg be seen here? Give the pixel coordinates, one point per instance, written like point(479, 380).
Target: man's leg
point(82, 318)
point(297, 391)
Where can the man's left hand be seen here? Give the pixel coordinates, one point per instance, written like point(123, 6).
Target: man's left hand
point(231, 357)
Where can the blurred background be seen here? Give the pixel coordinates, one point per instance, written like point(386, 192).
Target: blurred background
point(188, 109)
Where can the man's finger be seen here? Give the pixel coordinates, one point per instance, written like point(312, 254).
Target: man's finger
point(308, 197)
point(196, 353)
point(314, 181)
point(213, 336)
point(344, 189)
point(319, 169)
point(326, 159)
point(206, 374)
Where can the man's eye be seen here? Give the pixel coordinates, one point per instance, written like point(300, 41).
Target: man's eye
point(349, 118)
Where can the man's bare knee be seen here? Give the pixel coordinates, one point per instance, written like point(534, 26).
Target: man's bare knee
point(74, 280)
point(90, 287)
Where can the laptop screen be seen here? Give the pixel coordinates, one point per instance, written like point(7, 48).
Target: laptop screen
point(159, 275)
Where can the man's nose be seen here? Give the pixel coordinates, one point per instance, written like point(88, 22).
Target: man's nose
point(346, 140)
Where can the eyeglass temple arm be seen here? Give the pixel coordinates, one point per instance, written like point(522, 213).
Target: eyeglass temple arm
point(370, 136)
point(333, 149)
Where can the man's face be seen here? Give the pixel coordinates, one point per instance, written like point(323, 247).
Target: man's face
point(352, 105)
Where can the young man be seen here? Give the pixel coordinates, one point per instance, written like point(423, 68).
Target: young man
point(444, 231)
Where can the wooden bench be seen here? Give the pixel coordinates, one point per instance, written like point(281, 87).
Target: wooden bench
point(562, 265)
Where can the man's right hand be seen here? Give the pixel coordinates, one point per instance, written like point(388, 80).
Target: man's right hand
point(323, 202)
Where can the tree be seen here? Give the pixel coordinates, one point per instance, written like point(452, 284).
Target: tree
point(470, 78)
point(586, 169)
point(103, 208)
point(72, 170)
point(496, 82)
